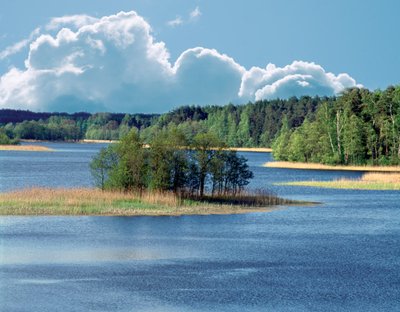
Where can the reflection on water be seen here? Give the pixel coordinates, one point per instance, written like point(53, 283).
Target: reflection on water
point(342, 255)
point(49, 255)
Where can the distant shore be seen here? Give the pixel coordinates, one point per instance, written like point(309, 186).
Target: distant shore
point(251, 149)
point(97, 141)
point(87, 201)
point(26, 148)
point(314, 166)
point(237, 149)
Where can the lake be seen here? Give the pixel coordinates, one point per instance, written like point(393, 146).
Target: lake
point(342, 255)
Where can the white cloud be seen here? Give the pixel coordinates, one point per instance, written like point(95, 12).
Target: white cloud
point(297, 79)
point(175, 22)
point(205, 76)
point(75, 21)
point(115, 64)
point(18, 46)
point(195, 14)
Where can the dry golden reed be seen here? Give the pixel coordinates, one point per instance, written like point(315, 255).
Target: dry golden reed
point(28, 148)
point(88, 201)
point(381, 177)
point(314, 166)
point(369, 181)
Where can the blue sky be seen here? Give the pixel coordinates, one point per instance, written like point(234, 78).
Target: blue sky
point(358, 39)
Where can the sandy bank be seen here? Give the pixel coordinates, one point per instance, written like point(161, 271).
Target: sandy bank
point(27, 148)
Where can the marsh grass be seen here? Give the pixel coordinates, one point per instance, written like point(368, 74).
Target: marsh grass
point(27, 148)
point(369, 181)
point(258, 198)
point(86, 201)
point(314, 166)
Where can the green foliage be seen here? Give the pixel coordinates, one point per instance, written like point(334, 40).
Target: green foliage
point(103, 164)
point(5, 139)
point(360, 127)
point(357, 127)
point(171, 164)
point(280, 145)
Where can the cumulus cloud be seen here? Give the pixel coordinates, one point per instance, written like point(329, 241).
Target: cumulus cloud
point(114, 63)
point(74, 21)
point(204, 76)
point(297, 79)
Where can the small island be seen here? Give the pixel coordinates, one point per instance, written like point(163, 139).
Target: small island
point(369, 181)
point(159, 178)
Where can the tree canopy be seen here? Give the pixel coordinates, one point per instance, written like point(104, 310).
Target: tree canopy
point(169, 163)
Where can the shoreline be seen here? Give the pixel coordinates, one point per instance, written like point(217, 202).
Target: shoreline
point(26, 148)
point(88, 141)
point(250, 149)
point(94, 202)
point(316, 166)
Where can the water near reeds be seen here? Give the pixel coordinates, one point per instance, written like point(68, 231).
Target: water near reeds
point(343, 255)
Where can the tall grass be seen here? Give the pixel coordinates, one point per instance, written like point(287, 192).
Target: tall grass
point(369, 181)
point(85, 201)
point(315, 166)
point(381, 177)
point(258, 198)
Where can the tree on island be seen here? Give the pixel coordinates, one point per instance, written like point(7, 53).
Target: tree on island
point(171, 163)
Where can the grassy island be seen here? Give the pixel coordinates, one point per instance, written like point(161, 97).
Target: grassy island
point(205, 177)
point(86, 201)
point(369, 181)
point(316, 166)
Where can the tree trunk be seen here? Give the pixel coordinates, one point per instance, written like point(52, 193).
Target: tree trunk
point(338, 133)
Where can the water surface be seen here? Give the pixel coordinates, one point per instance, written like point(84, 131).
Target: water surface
point(342, 255)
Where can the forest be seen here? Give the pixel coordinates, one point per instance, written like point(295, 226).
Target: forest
point(250, 125)
point(358, 126)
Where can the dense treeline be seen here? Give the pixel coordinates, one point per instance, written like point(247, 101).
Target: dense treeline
point(360, 127)
point(170, 163)
point(71, 127)
point(254, 124)
point(357, 127)
point(14, 116)
point(250, 125)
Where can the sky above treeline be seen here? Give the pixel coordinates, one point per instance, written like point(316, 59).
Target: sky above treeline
point(152, 55)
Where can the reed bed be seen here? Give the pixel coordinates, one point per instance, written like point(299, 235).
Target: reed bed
point(258, 198)
point(28, 148)
point(315, 166)
point(381, 177)
point(369, 181)
point(87, 201)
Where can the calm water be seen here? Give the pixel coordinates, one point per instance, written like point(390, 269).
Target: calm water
point(342, 255)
